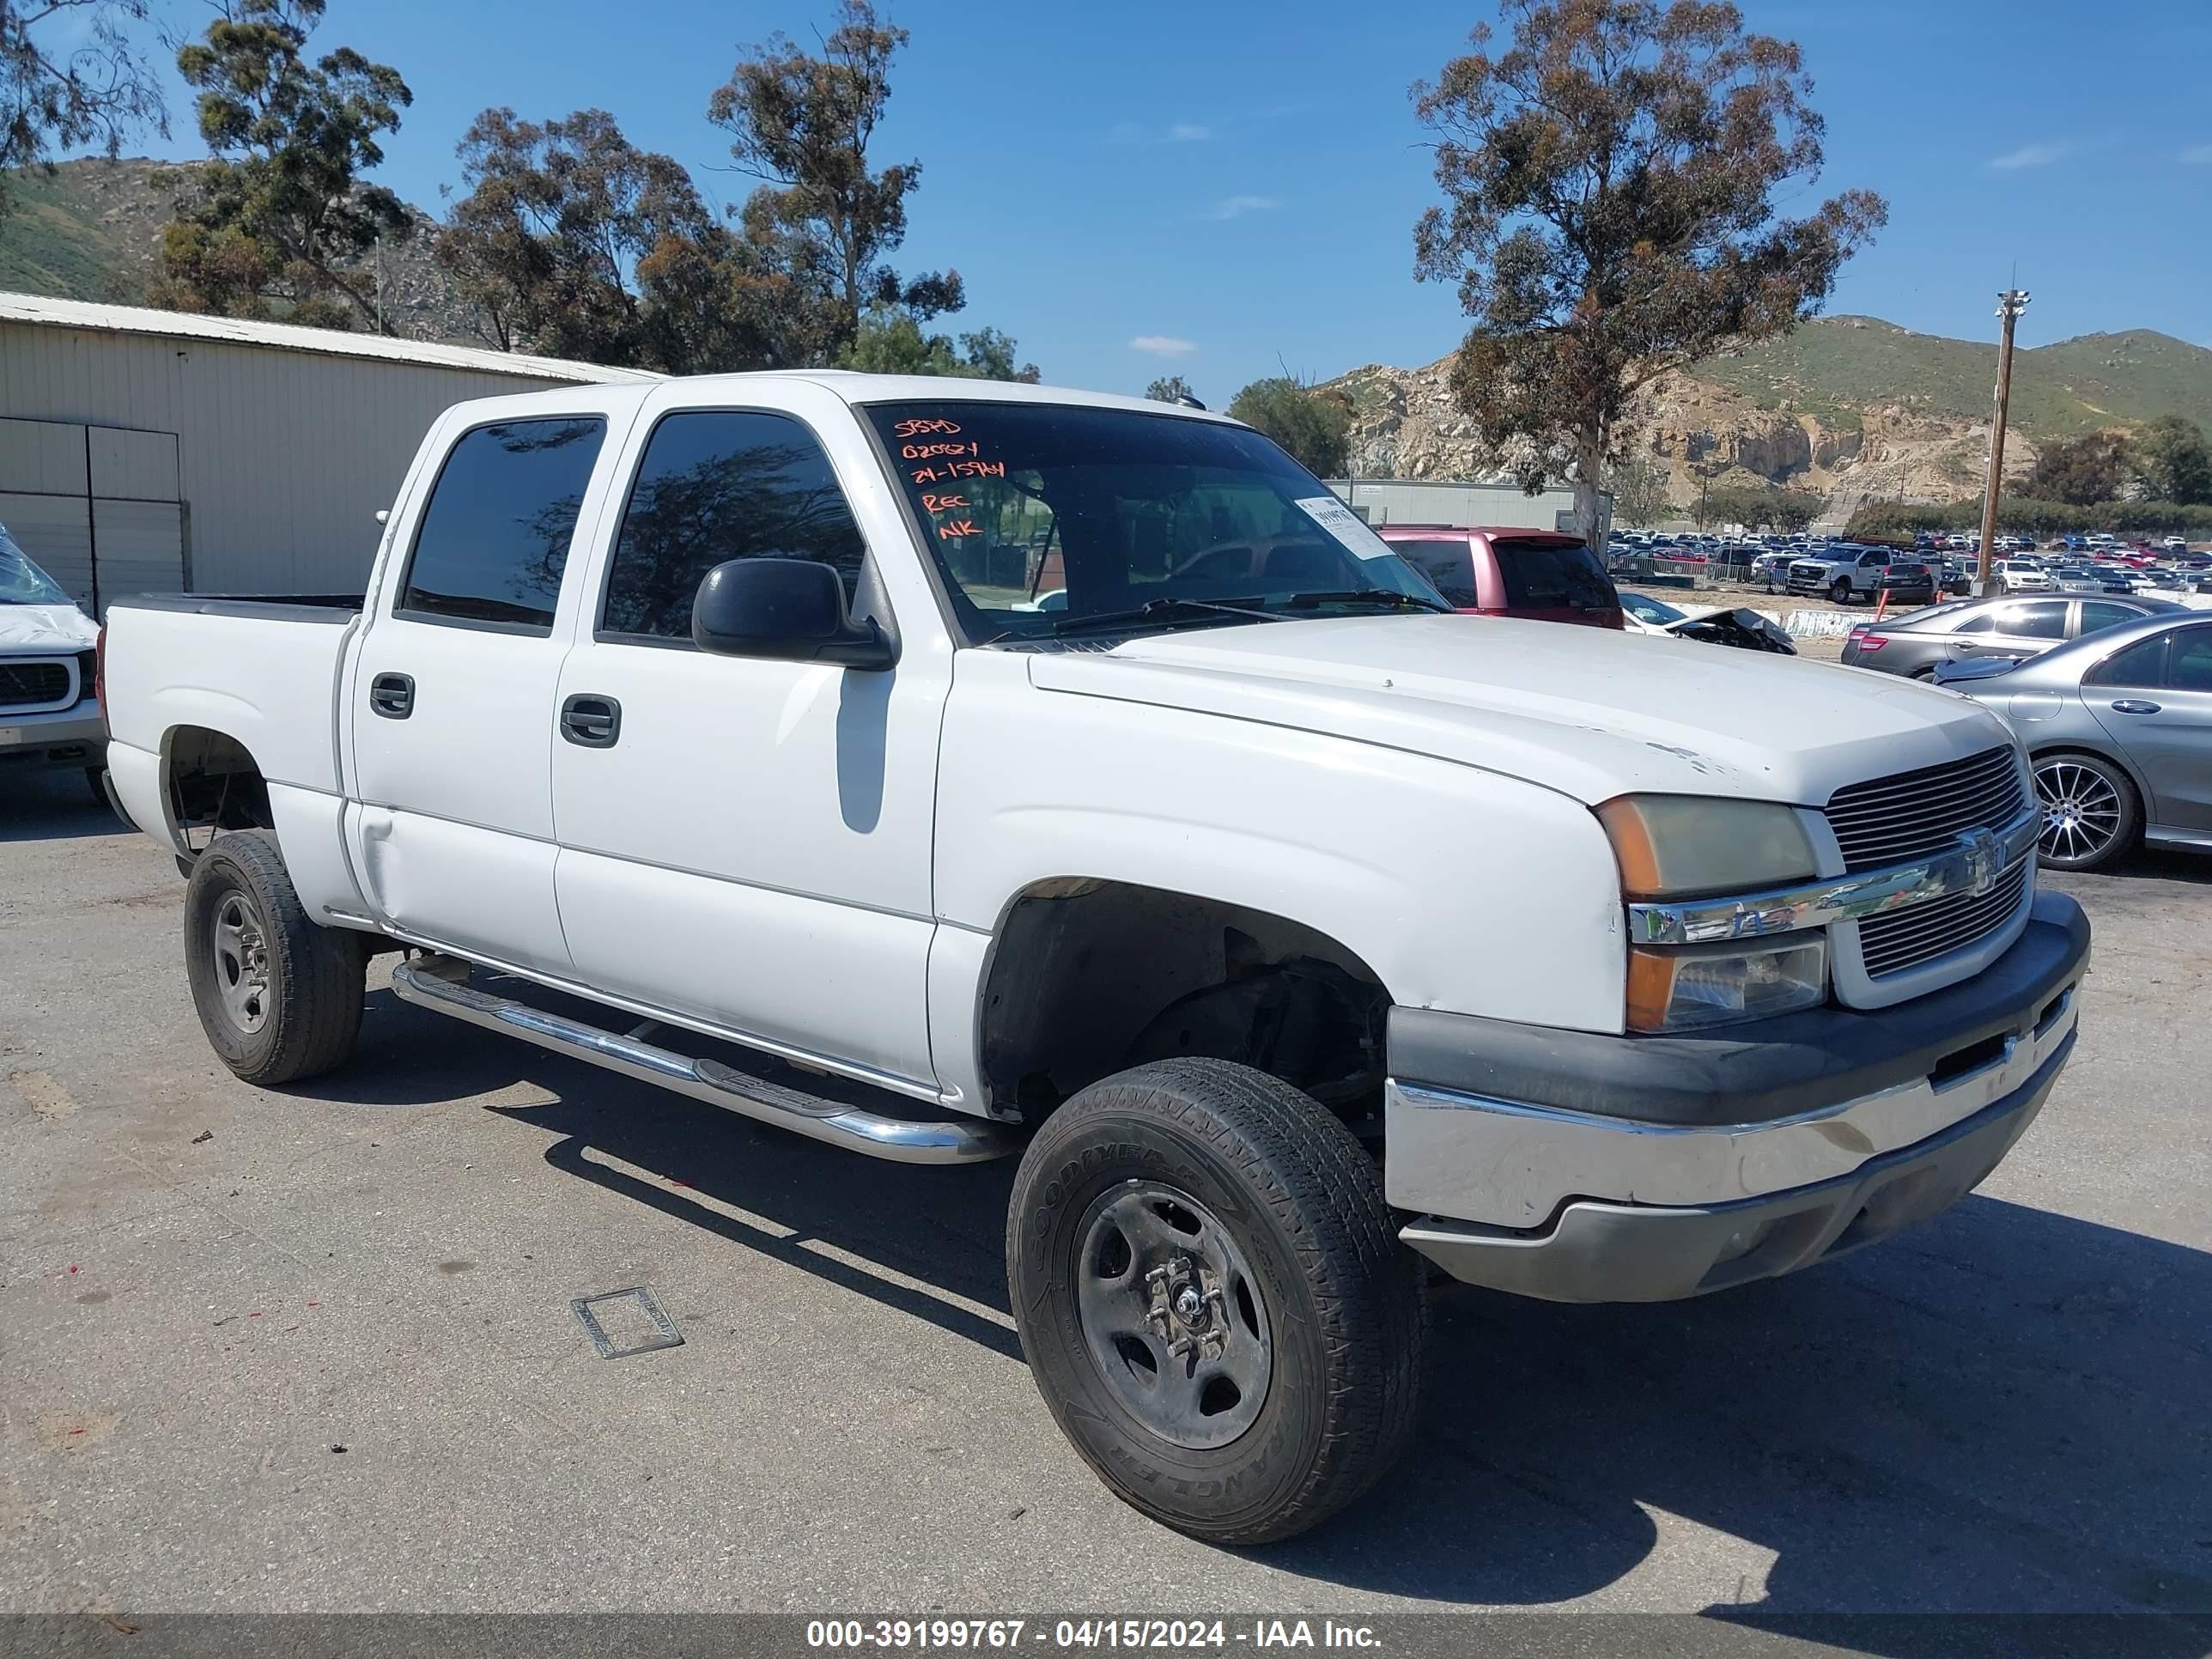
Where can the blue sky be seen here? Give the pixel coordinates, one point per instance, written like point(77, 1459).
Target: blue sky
point(1224, 190)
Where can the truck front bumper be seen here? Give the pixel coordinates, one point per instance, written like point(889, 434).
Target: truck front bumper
point(1581, 1168)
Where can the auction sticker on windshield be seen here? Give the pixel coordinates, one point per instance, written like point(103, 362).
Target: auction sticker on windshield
point(1347, 527)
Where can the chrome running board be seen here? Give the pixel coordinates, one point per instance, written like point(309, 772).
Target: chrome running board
point(903, 1140)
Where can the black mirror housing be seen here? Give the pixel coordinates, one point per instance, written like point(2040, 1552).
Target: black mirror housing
point(784, 610)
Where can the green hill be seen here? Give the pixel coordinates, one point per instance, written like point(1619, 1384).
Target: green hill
point(91, 229)
point(1837, 367)
point(86, 231)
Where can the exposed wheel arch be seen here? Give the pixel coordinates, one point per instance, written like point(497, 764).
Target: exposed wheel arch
point(211, 783)
point(1087, 977)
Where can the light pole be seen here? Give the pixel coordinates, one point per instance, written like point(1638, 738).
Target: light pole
point(2010, 303)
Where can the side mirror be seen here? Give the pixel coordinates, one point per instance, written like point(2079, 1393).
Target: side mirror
point(786, 611)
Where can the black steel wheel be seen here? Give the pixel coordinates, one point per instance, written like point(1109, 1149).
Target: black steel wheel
point(1213, 1300)
point(2090, 814)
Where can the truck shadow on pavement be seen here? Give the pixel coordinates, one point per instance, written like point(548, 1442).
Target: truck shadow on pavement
point(2003, 1411)
point(52, 805)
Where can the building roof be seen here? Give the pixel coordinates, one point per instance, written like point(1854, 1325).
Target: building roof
point(287, 337)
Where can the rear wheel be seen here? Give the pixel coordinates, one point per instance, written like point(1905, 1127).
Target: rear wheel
point(1213, 1300)
point(278, 996)
point(2090, 813)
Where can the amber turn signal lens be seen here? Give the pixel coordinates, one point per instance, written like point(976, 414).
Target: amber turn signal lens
point(1632, 848)
point(1651, 988)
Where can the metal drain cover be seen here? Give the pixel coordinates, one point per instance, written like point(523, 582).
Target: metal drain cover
point(637, 1314)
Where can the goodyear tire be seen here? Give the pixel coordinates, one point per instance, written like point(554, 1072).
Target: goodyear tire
point(1213, 1300)
point(278, 996)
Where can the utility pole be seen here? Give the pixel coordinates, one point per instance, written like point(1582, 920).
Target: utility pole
point(2010, 303)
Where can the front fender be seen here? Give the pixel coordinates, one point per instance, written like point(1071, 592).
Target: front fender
point(1463, 890)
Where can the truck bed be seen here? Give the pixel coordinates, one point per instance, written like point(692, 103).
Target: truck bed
point(263, 669)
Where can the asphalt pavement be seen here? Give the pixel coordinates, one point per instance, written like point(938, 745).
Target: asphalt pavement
point(312, 1349)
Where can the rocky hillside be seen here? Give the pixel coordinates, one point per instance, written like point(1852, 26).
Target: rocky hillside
point(92, 229)
point(1849, 407)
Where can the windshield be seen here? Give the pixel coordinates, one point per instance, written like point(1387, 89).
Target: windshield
point(1041, 515)
point(22, 582)
point(1647, 610)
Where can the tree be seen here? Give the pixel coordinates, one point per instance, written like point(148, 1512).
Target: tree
point(1764, 507)
point(2082, 473)
point(70, 74)
point(279, 223)
point(1610, 183)
point(573, 242)
point(1639, 490)
point(1315, 427)
point(1170, 388)
point(2173, 461)
point(803, 125)
point(891, 341)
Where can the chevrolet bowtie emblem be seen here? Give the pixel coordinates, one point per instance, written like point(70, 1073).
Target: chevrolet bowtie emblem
point(1986, 860)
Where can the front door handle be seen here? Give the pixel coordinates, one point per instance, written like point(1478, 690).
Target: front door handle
point(2134, 705)
point(392, 696)
point(591, 722)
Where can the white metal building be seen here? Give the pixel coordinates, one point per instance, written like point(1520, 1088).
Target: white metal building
point(1417, 501)
point(150, 450)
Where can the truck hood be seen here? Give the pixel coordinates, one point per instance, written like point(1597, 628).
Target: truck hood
point(60, 628)
point(1585, 711)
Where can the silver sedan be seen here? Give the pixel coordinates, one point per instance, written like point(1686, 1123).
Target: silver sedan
point(2118, 726)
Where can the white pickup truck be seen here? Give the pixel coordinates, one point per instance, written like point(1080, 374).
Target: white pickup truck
point(1288, 930)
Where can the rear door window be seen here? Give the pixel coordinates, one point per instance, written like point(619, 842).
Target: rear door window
point(1540, 574)
point(2140, 664)
point(2190, 666)
point(1449, 565)
point(494, 539)
point(2099, 614)
point(2044, 620)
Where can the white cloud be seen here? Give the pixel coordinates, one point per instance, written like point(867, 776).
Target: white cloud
point(1175, 132)
point(2031, 155)
point(1162, 345)
point(2197, 155)
point(1236, 207)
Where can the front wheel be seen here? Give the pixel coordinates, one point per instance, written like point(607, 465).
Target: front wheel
point(278, 995)
point(1213, 1300)
point(1840, 590)
point(2090, 815)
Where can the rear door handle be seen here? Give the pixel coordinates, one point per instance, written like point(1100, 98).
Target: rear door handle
point(392, 696)
point(2134, 705)
point(591, 722)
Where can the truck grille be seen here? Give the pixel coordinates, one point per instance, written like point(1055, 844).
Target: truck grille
point(32, 684)
point(1892, 944)
point(1890, 820)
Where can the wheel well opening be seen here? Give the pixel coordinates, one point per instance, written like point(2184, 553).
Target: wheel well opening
point(214, 784)
point(1089, 977)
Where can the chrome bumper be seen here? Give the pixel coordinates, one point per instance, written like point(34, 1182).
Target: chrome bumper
point(1581, 1167)
point(1600, 1252)
point(1509, 1164)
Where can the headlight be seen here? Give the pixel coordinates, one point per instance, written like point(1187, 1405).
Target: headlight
point(1680, 846)
point(1689, 987)
point(1671, 847)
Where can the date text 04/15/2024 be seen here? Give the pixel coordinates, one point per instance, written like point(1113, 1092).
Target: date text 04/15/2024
point(941, 1633)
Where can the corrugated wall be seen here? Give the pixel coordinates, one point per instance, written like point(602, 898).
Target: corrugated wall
point(283, 457)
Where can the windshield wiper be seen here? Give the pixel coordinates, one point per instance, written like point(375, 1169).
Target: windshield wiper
point(1383, 596)
point(1156, 612)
